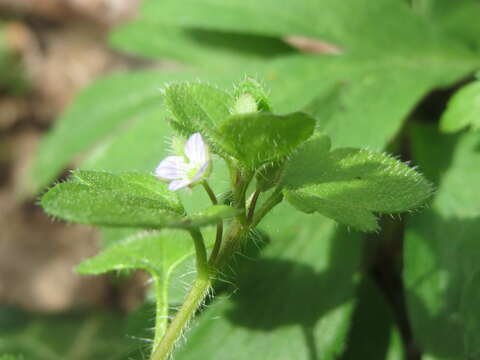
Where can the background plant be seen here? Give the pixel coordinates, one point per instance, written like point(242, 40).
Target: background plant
point(362, 97)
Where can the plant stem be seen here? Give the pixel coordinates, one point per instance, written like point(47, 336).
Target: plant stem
point(161, 312)
point(268, 205)
point(219, 236)
point(235, 233)
point(253, 204)
point(193, 300)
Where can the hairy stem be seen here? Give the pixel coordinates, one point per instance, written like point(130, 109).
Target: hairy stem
point(193, 300)
point(275, 198)
point(253, 204)
point(219, 236)
point(161, 312)
point(231, 244)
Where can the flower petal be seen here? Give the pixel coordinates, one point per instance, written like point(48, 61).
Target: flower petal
point(201, 172)
point(196, 149)
point(171, 168)
point(178, 184)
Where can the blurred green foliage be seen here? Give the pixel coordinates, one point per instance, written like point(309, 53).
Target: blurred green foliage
point(391, 55)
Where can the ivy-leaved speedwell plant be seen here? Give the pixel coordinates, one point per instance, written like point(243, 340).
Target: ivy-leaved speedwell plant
point(270, 158)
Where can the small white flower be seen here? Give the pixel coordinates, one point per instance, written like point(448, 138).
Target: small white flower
point(183, 171)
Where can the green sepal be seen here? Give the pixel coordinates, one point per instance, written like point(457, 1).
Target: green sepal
point(257, 138)
point(250, 86)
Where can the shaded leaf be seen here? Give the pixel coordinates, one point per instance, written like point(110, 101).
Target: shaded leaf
point(209, 49)
point(257, 138)
point(74, 335)
point(306, 165)
point(442, 251)
point(441, 259)
point(281, 296)
point(373, 337)
point(450, 160)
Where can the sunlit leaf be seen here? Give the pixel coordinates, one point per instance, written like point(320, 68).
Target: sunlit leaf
point(128, 200)
point(257, 138)
point(463, 109)
point(350, 185)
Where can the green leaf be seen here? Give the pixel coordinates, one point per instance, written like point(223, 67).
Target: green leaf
point(73, 335)
point(10, 357)
point(257, 138)
point(128, 200)
point(441, 264)
point(137, 184)
point(209, 49)
point(281, 296)
point(450, 160)
point(376, 62)
point(154, 252)
point(305, 166)
point(96, 114)
point(158, 253)
point(350, 185)
point(468, 310)
point(329, 20)
point(442, 251)
point(463, 109)
point(387, 344)
point(198, 107)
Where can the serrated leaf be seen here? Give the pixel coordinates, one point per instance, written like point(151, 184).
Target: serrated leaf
point(128, 200)
point(350, 185)
point(305, 166)
point(154, 252)
point(281, 296)
point(198, 107)
point(158, 253)
point(257, 138)
point(140, 185)
point(463, 109)
point(88, 205)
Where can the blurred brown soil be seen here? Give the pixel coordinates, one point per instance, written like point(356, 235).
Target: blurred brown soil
point(62, 46)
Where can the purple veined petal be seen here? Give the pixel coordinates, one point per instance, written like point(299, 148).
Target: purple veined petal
point(178, 184)
point(199, 174)
point(196, 149)
point(171, 168)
